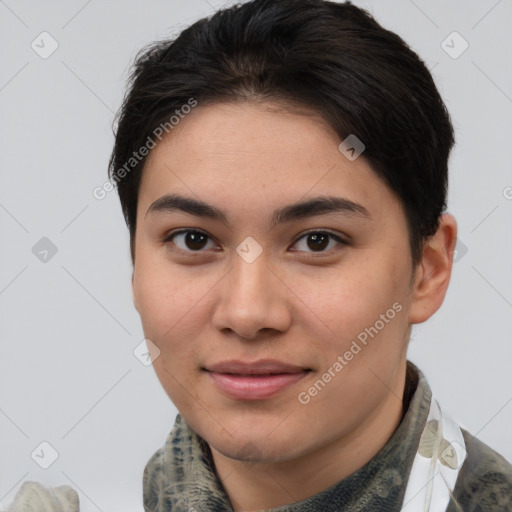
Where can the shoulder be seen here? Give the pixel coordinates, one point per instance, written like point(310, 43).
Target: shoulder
point(485, 480)
point(159, 468)
point(35, 497)
point(154, 480)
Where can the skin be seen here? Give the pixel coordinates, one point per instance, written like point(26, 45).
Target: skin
point(293, 304)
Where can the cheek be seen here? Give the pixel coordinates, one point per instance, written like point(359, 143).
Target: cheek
point(351, 298)
point(169, 310)
point(365, 304)
point(165, 299)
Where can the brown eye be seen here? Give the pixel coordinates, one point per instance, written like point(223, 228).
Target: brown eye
point(318, 241)
point(189, 240)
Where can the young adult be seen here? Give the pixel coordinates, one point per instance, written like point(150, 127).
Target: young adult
point(282, 168)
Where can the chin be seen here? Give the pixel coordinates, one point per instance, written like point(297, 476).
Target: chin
point(257, 450)
point(252, 432)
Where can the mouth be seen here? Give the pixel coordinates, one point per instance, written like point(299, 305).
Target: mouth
point(256, 380)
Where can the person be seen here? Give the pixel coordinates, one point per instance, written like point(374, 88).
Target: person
point(282, 168)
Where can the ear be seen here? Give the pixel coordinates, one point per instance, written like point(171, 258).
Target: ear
point(134, 295)
point(434, 271)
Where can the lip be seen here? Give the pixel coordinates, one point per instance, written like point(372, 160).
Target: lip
point(256, 380)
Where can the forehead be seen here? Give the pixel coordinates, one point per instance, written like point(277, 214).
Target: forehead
point(245, 133)
point(238, 155)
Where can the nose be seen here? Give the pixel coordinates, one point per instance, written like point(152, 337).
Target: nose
point(253, 300)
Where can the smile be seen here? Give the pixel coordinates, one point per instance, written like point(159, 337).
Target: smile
point(254, 381)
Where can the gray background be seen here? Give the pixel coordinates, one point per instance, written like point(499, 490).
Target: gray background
point(68, 375)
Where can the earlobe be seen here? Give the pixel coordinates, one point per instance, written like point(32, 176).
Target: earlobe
point(434, 271)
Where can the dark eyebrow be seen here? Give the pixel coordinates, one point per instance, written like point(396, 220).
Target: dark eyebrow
point(318, 206)
point(173, 202)
point(309, 208)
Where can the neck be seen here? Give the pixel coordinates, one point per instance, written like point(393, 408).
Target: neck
point(257, 486)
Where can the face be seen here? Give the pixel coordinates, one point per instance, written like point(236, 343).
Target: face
point(247, 285)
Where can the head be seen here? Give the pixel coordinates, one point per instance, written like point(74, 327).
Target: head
point(223, 132)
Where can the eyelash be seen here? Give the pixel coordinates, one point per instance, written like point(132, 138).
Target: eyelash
point(332, 235)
